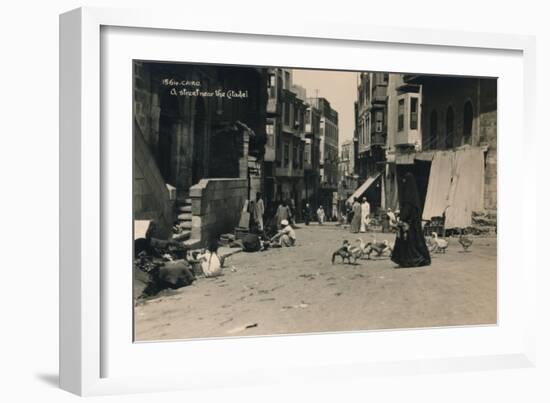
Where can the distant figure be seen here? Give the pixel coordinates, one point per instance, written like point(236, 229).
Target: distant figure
point(349, 215)
point(365, 215)
point(252, 226)
point(307, 213)
point(410, 248)
point(356, 220)
point(320, 215)
point(283, 213)
point(292, 208)
point(258, 212)
point(286, 236)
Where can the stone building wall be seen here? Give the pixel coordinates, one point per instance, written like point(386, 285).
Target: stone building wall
point(151, 198)
point(488, 137)
point(184, 139)
point(438, 94)
point(216, 207)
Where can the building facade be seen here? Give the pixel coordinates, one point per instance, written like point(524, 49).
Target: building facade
point(371, 132)
point(183, 134)
point(328, 155)
point(444, 131)
point(312, 155)
point(286, 142)
point(348, 179)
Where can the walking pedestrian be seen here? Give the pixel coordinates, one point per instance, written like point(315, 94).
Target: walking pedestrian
point(410, 248)
point(349, 214)
point(365, 215)
point(307, 213)
point(320, 215)
point(258, 212)
point(283, 213)
point(356, 220)
point(292, 209)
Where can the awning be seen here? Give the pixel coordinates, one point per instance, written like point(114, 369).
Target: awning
point(363, 188)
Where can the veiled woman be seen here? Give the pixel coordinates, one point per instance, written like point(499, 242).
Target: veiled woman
point(410, 248)
point(356, 220)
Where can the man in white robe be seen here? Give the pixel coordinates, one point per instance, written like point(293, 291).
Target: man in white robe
point(365, 213)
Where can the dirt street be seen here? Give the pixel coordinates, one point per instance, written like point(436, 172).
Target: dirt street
point(295, 290)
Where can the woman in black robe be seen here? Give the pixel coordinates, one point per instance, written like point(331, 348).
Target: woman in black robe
point(410, 248)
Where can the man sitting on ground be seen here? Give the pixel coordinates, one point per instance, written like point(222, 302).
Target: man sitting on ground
point(286, 235)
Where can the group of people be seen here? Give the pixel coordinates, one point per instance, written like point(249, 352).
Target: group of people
point(410, 249)
point(359, 216)
point(285, 211)
point(259, 237)
point(319, 214)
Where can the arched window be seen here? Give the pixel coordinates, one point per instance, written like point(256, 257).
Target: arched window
point(468, 121)
point(433, 130)
point(450, 127)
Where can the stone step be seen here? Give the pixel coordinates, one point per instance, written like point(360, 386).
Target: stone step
point(185, 217)
point(192, 243)
point(184, 209)
point(182, 236)
point(188, 201)
point(185, 225)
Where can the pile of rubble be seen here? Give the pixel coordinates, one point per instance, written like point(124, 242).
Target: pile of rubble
point(484, 222)
point(171, 264)
point(160, 265)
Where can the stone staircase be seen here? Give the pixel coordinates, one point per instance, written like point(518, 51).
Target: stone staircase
point(184, 220)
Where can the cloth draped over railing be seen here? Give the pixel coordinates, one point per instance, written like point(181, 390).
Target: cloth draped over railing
point(456, 186)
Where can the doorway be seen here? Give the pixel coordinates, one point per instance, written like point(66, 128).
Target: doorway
point(199, 143)
point(168, 127)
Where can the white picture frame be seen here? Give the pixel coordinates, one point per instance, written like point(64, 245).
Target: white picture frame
point(87, 341)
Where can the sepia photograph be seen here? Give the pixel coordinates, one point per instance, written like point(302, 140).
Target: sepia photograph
point(276, 201)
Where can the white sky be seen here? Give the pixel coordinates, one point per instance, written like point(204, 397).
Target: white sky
point(339, 87)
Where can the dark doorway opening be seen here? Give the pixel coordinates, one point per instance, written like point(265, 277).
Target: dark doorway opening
point(225, 154)
point(433, 130)
point(168, 126)
point(450, 128)
point(468, 122)
point(199, 143)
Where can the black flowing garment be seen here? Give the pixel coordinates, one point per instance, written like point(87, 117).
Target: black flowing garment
point(410, 248)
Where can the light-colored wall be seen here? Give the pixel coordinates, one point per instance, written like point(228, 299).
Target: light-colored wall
point(216, 206)
point(488, 136)
point(394, 81)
